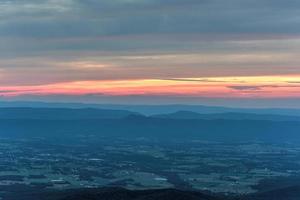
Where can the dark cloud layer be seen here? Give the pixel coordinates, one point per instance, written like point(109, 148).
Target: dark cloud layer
point(246, 88)
point(67, 18)
point(42, 41)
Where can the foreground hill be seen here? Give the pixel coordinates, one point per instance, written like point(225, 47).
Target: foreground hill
point(117, 194)
point(111, 194)
point(289, 193)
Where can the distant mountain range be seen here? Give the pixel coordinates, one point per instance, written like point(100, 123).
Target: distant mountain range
point(96, 113)
point(230, 115)
point(62, 113)
point(60, 123)
point(155, 109)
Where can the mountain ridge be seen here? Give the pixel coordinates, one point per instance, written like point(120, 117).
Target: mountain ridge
point(226, 115)
point(62, 113)
point(154, 109)
point(154, 128)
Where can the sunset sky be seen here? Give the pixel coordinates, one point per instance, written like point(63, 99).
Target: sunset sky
point(151, 51)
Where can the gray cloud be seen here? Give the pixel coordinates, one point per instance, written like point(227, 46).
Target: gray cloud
point(259, 87)
point(73, 18)
point(194, 80)
point(39, 35)
point(246, 88)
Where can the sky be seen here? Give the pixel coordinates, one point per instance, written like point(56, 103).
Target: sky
point(151, 51)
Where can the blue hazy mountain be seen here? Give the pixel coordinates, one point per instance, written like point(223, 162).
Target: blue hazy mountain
point(96, 113)
point(155, 109)
point(230, 115)
point(70, 123)
point(61, 113)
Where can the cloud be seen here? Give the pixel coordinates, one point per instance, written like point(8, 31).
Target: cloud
point(75, 18)
point(204, 38)
point(8, 91)
point(47, 26)
point(194, 80)
point(296, 82)
point(260, 87)
point(245, 87)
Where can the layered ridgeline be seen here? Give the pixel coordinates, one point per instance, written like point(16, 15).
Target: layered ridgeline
point(78, 123)
point(61, 113)
point(154, 109)
point(227, 116)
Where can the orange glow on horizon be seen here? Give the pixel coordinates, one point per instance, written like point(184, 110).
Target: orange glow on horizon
point(219, 87)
